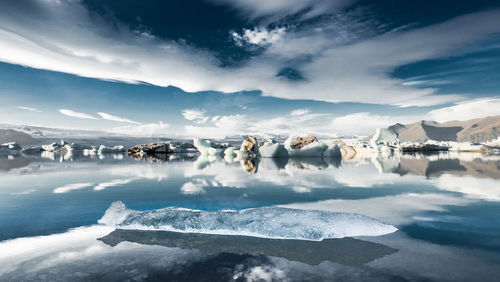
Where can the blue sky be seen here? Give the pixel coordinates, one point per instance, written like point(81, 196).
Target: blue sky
point(214, 68)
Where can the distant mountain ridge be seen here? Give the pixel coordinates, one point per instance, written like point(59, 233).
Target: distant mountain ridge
point(474, 130)
point(9, 135)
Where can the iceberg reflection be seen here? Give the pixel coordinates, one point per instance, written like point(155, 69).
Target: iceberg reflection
point(347, 251)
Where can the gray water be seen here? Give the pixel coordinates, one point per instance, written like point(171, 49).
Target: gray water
point(444, 206)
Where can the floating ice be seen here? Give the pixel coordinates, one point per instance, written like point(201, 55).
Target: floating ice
point(7, 149)
point(272, 149)
point(205, 147)
point(333, 152)
point(267, 222)
point(91, 152)
point(110, 150)
point(11, 146)
point(314, 149)
point(54, 147)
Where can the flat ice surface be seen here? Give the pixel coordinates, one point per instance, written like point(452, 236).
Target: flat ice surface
point(267, 222)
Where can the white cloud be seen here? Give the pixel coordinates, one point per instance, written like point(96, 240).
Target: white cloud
point(402, 210)
point(259, 36)
point(467, 110)
point(148, 130)
point(299, 122)
point(115, 118)
point(365, 123)
point(222, 126)
point(299, 112)
point(64, 38)
point(277, 9)
point(195, 115)
point(472, 187)
point(29, 109)
point(74, 114)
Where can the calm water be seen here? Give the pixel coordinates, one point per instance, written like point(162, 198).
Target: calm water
point(445, 207)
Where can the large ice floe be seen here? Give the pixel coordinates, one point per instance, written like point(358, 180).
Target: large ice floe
point(267, 222)
point(309, 148)
point(272, 149)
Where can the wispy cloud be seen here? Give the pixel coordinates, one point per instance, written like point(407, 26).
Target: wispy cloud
point(258, 36)
point(278, 9)
point(116, 118)
point(362, 70)
point(299, 112)
point(149, 129)
point(29, 109)
point(74, 114)
point(365, 123)
point(195, 115)
point(467, 110)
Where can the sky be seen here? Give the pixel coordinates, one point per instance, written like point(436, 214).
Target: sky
point(216, 68)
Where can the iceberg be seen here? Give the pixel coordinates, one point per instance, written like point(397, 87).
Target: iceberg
point(11, 148)
point(313, 149)
point(249, 148)
point(266, 222)
point(110, 150)
point(75, 148)
point(91, 152)
point(271, 149)
point(385, 139)
point(56, 147)
point(333, 152)
point(205, 147)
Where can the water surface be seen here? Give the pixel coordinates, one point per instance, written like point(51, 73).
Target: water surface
point(444, 206)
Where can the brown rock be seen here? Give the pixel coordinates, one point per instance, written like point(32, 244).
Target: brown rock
point(250, 165)
point(250, 145)
point(301, 142)
point(153, 148)
point(348, 151)
point(263, 142)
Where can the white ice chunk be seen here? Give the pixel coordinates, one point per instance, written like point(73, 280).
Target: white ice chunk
point(312, 150)
point(272, 149)
point(267, 222)
point(333, 152)
point(110, 150)
point(54, 147)
point(384, 137)
point(11, 146)
point(90, 152)
point(205, 147)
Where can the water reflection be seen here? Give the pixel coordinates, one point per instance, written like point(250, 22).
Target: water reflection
point(445, 205)
point(345, 251)
point(81, 255)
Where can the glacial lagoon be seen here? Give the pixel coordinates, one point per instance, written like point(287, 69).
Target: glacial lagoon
point(383, 217)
